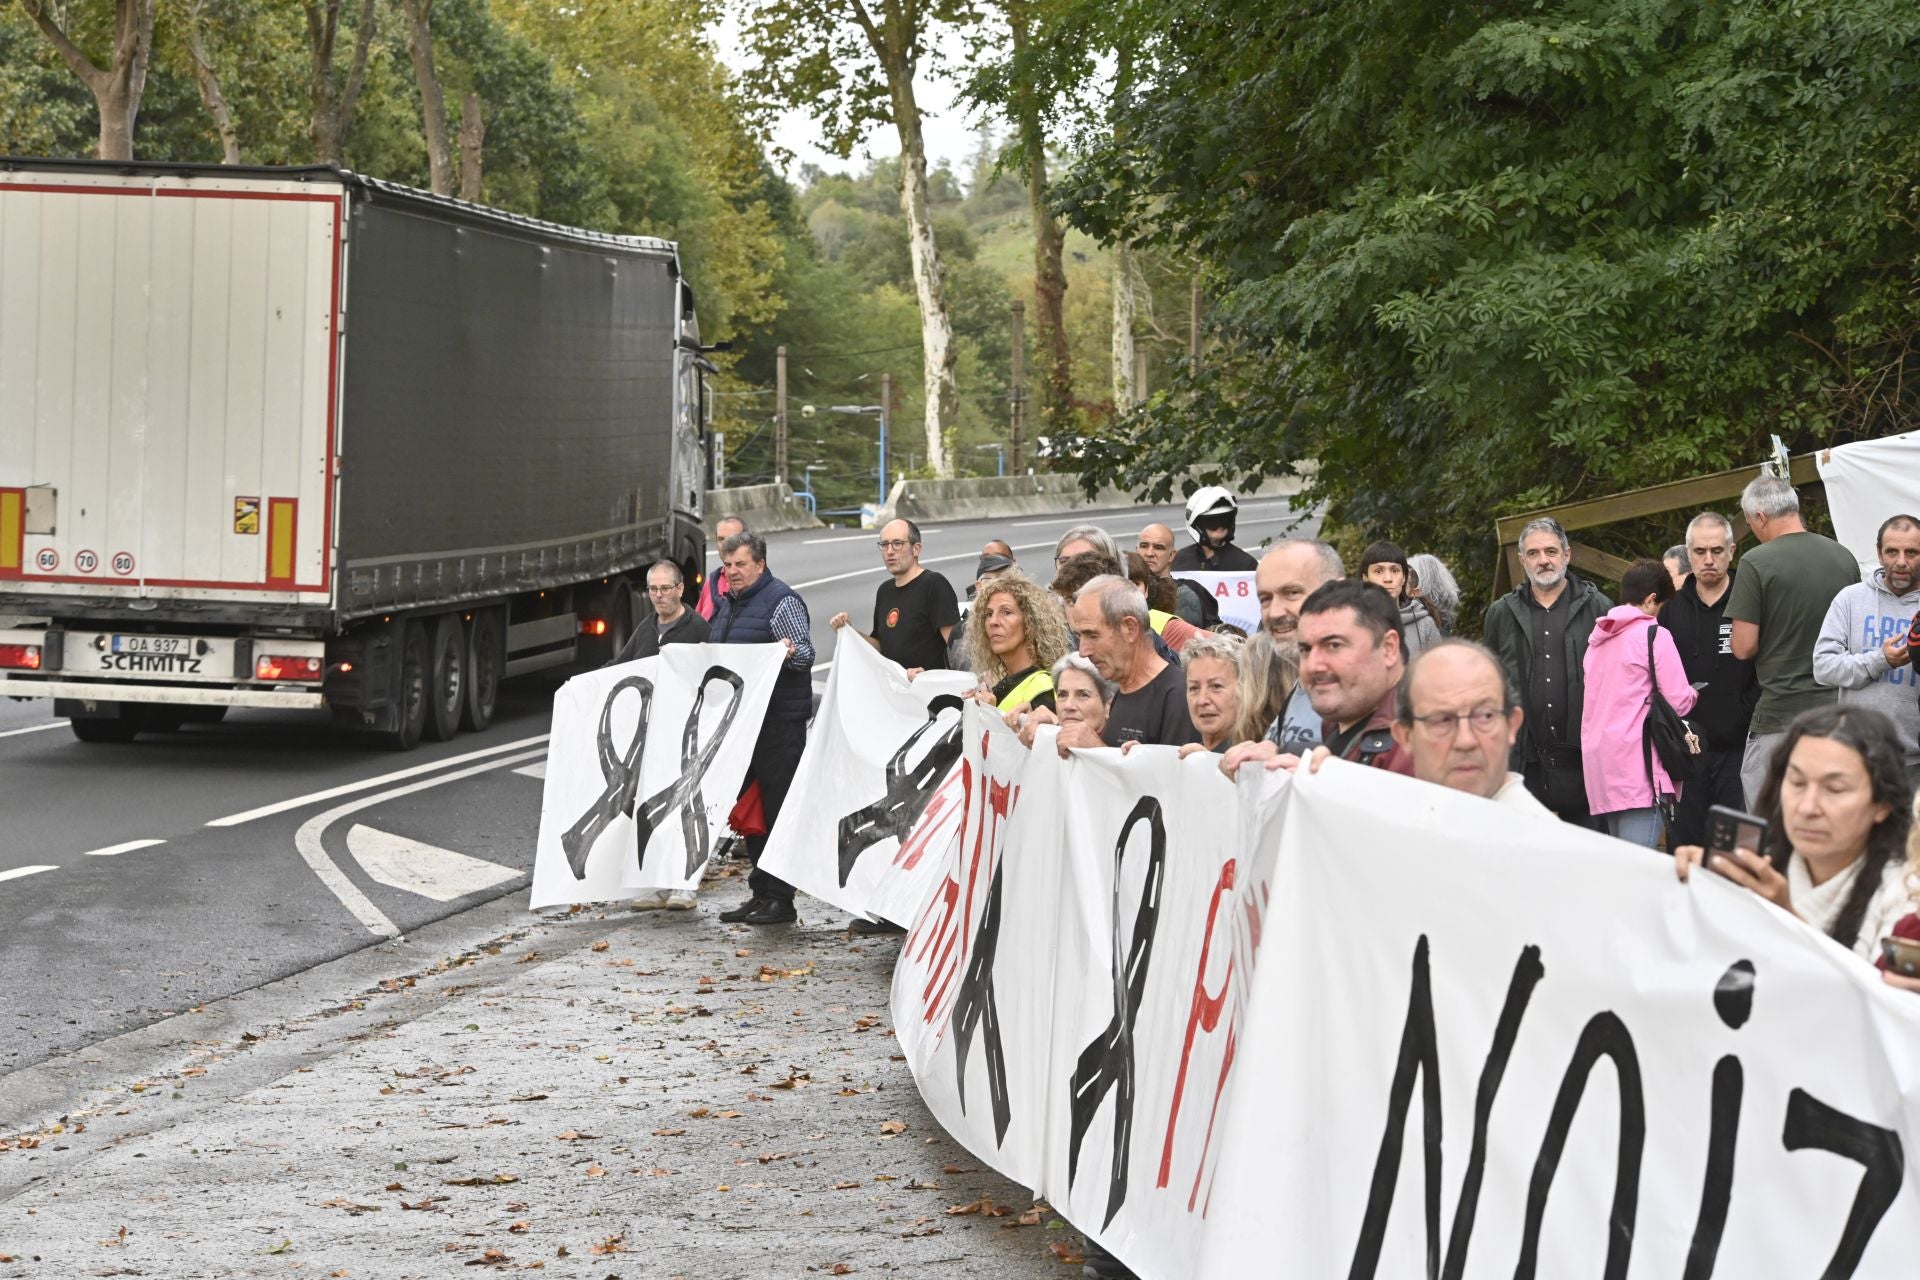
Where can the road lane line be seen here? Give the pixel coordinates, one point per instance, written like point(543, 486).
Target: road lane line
point(17, 872)
point(128, 847)
point(414, 866)
point(308, 840)
point(33, 728)
point(297, 802)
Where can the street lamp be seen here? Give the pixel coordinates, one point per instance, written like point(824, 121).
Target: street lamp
point(862, 410)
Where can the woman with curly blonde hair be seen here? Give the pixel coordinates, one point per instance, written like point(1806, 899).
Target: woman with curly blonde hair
point(1015, 634)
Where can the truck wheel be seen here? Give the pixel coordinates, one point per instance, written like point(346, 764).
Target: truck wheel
point(486, 655)
point(129, 719)
point(410, 690)
point(446, 678)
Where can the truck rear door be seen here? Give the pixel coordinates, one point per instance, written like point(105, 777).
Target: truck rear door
point(168, 350)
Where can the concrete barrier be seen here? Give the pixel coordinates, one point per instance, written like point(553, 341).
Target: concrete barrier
point(767, 508)
point(1052, 493)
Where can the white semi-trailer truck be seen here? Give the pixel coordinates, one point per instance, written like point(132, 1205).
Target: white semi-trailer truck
point(301, 438)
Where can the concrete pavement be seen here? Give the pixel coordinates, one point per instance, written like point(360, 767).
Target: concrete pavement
point(605, 1093)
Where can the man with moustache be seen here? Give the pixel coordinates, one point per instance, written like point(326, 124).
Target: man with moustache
point(1862, 650)
point(1696, 617)
point(1540, 632)
point(1458, 719)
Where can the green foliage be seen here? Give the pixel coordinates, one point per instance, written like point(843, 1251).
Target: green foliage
point(1473, 259)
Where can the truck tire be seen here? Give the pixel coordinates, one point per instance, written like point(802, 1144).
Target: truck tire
point(486, 656)
point(446, 678)
point(410, 689)
point(129, 719)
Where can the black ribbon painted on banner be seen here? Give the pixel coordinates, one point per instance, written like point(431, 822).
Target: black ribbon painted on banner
point(621, 772)
point(909, 790)
point(974, 1007)
point(1106, 1065)
point(695, 760)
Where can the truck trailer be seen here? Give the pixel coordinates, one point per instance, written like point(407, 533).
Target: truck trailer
point(296, 437)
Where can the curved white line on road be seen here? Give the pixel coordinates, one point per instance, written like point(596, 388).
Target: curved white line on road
point(281, 806)
point(307, 841)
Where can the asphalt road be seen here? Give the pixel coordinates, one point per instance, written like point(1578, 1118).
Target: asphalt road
point(144, 879)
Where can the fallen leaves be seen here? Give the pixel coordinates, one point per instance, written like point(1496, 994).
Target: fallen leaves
point(793, 1080)
point(841, 1269)
point(480, 1181)
point(847, 1186)
point(520, 1228)
point(530, 1097)
point(574, 1136)
point(595, 1171)
point(984, 1207)
point(611, 1245)
point(668, 1133)
point(427, 1204)
point(115, 1241)
point(892, 1128)
point(601, 945)
point(353, 1209)
point(491, 1258)
point(1067, 1254)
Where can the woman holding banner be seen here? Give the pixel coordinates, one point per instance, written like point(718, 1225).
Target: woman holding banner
point(1211, 663)
point(1082, 695)
point(1014, 635)
point(1838, 808)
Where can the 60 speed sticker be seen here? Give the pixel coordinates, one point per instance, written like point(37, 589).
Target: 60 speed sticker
point(46, 559)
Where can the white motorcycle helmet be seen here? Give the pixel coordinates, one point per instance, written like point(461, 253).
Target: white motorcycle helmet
point(1211, 501)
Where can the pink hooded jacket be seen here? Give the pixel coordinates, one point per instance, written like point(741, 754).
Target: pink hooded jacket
point(1617, 693)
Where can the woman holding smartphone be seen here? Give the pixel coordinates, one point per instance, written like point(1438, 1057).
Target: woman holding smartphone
point(1838, 808)
point(1900, 961)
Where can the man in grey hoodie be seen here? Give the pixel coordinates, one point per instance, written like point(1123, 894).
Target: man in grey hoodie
point(1862, 650)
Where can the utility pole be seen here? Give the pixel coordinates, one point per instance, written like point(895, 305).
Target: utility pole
point(886, 416)
point(779, 415)
point(1139, 373)
point(1193, 327)
point(1019, 397)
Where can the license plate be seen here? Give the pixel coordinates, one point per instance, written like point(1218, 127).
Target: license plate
point(151, 644)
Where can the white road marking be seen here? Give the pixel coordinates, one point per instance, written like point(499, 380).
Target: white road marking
point(128, 847)
point(538, 769)
point(33, 728)
point(17, 872)
point(281, 806)
point(1092, 517)
point(307, 841)
point(425, 869)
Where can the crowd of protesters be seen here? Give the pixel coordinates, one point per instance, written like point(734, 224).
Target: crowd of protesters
point(1787, 681)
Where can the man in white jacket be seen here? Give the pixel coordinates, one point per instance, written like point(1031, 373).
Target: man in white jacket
point(1862, 650)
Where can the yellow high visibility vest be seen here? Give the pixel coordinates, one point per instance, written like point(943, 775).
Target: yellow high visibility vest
point(1027, 690)
point(1159, 620)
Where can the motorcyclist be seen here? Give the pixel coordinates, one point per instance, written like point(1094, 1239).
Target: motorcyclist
point(1211, 513)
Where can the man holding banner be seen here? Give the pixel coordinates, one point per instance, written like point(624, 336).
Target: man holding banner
point(758, 608)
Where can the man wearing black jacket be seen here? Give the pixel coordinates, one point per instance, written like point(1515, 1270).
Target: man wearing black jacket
point(1540, 630)
point(1728, 688)
point(668, 622)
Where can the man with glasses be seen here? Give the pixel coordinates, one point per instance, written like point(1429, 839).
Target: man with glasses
point(670, 621)
point(914, 613)
point(1458, 720)
point(1697, 619)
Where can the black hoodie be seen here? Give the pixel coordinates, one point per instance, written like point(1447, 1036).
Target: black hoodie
point(1704, 635)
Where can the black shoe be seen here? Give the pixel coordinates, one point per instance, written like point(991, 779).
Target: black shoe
point(862, 926)
point(769, 911)
point(1101, 1265)
point(734, 915)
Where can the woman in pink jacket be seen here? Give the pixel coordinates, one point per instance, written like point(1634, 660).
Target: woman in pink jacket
point(1619, 687)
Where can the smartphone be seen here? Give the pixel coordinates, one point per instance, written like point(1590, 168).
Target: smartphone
point(1730, 829)
point(1902, 955)
point(1913, 633)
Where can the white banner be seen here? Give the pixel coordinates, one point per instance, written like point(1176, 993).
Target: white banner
point(1233, 595)
point(1477, 1043)
point(643, 765)
point(1867, 481)
point(879, 762)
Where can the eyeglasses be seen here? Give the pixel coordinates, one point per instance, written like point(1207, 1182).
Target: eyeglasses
point(893, 544)
point(671, 588)
point(1445, 724)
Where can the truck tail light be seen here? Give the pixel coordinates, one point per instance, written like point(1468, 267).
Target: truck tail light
point(273, 666)
point(20, 657)
point(593, 626)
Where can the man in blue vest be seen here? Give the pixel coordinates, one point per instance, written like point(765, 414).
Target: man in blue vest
point(758, 608)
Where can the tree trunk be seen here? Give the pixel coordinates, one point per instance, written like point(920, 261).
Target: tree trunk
point(117, 89)
point(1125, 393)
point(332, 106)
point(210, 95)
point(1049, 245)
point(433, 104)
point(473, 135)
point(936, 326)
